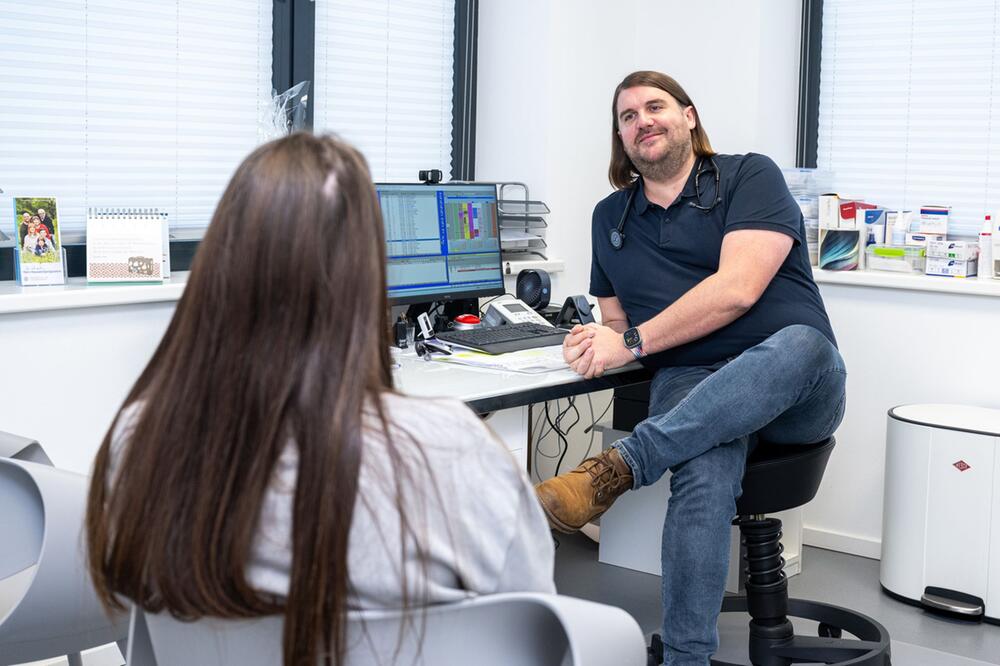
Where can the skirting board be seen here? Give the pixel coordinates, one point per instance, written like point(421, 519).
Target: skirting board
point(842, 543)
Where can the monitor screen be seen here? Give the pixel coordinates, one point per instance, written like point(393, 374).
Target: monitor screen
point(442, 241)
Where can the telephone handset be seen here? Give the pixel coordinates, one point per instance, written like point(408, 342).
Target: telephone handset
point(510, 310)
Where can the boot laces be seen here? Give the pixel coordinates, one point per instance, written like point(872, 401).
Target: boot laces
point(604, 476)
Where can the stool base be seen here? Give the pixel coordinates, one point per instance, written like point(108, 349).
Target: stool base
point(871, 648)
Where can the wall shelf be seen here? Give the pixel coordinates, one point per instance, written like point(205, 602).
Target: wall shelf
point(914, 282)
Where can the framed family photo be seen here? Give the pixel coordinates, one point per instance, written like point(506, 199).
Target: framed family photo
point(39, 249)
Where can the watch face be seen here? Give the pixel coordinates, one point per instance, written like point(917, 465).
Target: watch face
point(632, 338)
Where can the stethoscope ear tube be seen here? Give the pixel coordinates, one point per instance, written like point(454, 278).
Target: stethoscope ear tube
point(617, 236)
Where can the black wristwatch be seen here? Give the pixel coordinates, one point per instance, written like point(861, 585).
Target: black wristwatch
point(633, 341)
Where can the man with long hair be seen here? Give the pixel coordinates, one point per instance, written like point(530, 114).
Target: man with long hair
point(701, 271)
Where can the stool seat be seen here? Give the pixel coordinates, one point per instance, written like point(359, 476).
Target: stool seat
point(779, 477)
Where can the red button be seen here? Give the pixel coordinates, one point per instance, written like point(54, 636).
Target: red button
point(467, 319)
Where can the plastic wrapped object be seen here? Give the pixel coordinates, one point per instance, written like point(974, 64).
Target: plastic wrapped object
point(287, 112)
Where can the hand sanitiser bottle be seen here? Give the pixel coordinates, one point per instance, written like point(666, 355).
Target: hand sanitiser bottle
point(986, 249)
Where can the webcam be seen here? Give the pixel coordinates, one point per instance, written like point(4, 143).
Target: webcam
point(429, 176)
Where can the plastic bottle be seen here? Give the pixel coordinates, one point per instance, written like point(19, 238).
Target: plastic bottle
point(985, 271)
point(996, 250)
point(901, 226)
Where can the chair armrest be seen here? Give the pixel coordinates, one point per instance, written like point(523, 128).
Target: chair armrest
point(598, 634)
point(22, 448)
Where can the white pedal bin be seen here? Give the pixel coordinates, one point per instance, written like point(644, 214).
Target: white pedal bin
point(941, 513)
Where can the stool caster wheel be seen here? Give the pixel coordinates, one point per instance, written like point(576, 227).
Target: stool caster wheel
point(654, 653)
point(829, 631)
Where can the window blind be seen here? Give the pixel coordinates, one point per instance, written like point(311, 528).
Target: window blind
point(384, 81)
point(146, 105)
point(908, 110)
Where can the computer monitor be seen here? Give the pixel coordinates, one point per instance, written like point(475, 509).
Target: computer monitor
point(442, 241)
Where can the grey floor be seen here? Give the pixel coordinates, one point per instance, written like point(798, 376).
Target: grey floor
point(918, 638)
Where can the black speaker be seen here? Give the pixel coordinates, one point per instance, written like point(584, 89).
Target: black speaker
point(534, 288)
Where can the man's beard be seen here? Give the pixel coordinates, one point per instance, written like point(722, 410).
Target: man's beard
point(667, 166)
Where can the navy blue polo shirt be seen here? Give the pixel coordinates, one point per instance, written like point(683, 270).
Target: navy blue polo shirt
point(668, 251)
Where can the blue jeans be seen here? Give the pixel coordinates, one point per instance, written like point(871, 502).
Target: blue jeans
point(788, 389)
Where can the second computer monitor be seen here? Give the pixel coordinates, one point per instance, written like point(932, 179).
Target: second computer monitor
point(442, 241)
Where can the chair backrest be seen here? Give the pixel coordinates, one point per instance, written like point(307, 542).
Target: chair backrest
point(54, 611)
point(493, 630)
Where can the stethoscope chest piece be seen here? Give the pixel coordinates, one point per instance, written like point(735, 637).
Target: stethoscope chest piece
point(617, 239)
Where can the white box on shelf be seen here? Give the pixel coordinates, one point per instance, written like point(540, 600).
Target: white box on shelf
point(933, 219)
point(952, 249)
point(944, 267)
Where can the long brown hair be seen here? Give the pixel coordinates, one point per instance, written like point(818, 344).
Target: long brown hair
point(622, 171)
point(281, 335)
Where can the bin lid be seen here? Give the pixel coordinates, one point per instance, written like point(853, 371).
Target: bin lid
point(953, 417)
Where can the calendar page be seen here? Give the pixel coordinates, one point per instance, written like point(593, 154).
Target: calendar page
point(125, 245)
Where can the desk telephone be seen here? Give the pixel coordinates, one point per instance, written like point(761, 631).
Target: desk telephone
point(510, 310)
point(509, 325)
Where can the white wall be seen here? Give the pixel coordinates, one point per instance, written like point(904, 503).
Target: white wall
point(66, 372)
point(546, 73)
point(739, 63)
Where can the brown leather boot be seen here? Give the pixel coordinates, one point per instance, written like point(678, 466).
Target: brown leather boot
point(573, 499)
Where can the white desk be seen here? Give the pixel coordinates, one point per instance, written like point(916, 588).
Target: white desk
point(502, 398)
point(490, 390)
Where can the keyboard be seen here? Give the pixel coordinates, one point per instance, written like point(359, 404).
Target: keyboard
point(506, 338)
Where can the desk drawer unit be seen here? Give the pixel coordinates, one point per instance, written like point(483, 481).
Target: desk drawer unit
point(511, 426)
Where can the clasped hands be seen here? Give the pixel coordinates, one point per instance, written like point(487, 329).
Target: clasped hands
point(592, 349)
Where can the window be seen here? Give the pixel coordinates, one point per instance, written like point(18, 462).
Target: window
point(113, 104)
point(153, 105)
point(385, 72)
point(909, 104)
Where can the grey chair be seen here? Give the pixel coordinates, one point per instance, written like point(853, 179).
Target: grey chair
point(22, 448)
point(492, 630)
point(48, 607)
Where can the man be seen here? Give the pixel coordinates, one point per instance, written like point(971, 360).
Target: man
point(701, 271)
point(47, 222)
point(25, 221)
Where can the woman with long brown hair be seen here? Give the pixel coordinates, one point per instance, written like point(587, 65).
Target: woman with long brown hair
point(263, 464)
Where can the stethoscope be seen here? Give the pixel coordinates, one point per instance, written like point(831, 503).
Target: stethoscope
point(618, 238)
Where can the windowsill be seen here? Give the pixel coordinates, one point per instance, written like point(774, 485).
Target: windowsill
point(76, 293)
point(912, 282)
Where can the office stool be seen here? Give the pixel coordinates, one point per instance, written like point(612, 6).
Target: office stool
point(778, 478)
